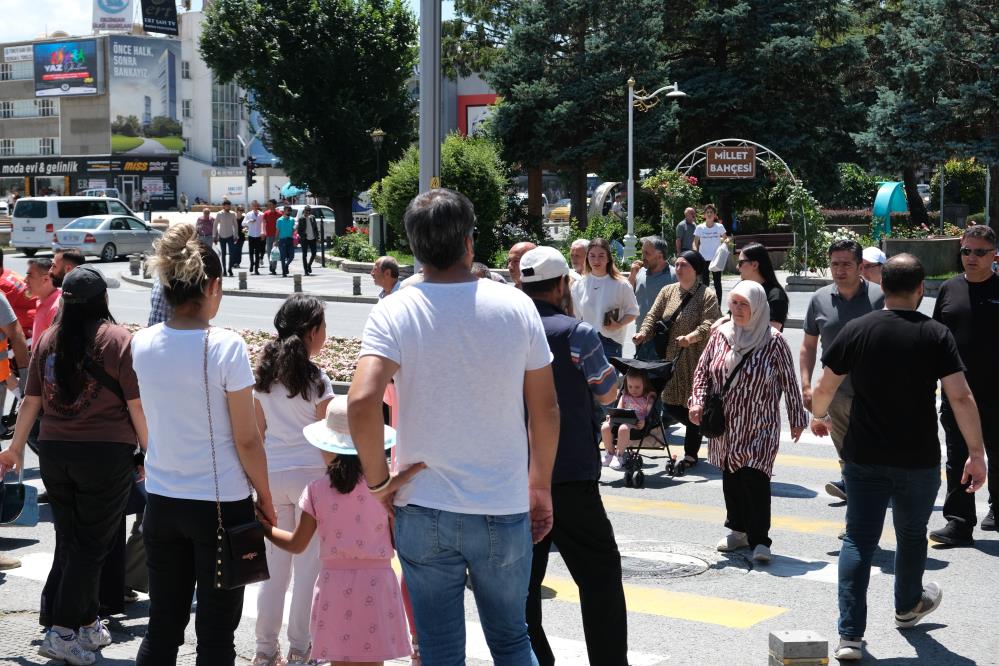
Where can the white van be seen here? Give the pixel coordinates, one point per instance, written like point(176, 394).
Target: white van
point(111, 192)
point(36, 219)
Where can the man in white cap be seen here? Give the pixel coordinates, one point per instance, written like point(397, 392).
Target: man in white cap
point(871, 264)
point(581, 530)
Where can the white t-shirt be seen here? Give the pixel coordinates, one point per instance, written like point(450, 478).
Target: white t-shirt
point(710, 239)
point(594, 296)
point(284, 442)
point(254, 221)
point(169, 365)
point(463, 349)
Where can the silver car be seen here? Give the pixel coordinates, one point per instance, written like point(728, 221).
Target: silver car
point(106, 236)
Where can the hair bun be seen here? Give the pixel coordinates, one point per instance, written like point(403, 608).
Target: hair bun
point(178, 256)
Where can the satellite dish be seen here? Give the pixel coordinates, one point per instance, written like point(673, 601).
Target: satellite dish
point(59, 33)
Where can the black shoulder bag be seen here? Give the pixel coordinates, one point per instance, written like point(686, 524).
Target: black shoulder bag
point(713, 417)
point(241, 556)
point(98, 372)
point(661, 329)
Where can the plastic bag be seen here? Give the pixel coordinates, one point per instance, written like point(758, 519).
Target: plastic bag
point(720, 259)
point(275, 254)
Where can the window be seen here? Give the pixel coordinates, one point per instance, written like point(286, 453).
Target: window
point(6, 109)
point(119, 224)
point(185, 108)
point(75, 209)
point(6, 72)
point(187, 144)
point(6, 147)
point(17, 71)
point(135, 225)
point(46, 107)
point(30, 209)
point(225, 124)
point(46, 146)
point(185, 69)
point(117, 208)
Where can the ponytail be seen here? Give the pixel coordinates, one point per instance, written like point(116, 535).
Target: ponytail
point(285, 359)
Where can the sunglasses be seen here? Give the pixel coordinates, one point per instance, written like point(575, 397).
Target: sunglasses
point(978, 252)
point(743, 261)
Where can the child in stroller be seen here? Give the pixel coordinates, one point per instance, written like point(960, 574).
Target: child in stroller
point(639, 397)
point(640, 409)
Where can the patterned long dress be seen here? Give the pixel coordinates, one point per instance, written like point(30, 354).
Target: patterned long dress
point(752, 404)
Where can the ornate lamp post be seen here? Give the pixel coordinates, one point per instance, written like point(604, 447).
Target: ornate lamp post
point(644, 102)
point(377, 137)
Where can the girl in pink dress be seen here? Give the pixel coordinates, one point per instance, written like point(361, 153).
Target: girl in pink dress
point(357, 611)
point(639, 395)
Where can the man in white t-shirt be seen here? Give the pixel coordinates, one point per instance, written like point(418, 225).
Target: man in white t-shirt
point(708, 237)
point(253, 222)
point(477, 432)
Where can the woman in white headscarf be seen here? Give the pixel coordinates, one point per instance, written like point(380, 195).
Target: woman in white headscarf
point(764, 369)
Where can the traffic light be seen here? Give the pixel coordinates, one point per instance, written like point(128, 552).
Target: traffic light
point(251, 171)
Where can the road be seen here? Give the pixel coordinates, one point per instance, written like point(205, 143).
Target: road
point(688, 604)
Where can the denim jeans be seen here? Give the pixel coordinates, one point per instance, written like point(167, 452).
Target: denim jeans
point(269, 242)
point(227, 247)
point(611, 347)
point(436, 548)
point(871, 488)
point(287, 248)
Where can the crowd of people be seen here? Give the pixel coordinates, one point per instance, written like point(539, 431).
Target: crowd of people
point(340, 484)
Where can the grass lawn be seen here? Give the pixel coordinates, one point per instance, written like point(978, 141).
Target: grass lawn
point(175, 143)
point(121, 143)
point(403, 258)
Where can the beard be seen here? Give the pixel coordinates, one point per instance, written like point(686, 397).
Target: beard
point(57, 280)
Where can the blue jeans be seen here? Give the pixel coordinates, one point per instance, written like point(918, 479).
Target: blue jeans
point(871, 488)
point(287, 248)
point(227, 246)
point(436, 548)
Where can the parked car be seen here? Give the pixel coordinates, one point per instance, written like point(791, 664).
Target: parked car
point(4, 208)
point(37, 219)
point(324, 215)
point(924, 193)
point(106, 236)
point(561, 211)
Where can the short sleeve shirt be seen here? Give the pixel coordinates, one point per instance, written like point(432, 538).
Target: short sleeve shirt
point(647, 287)
point(588, 355)
point(828, 312)
point(96, 414)
point(284, 442)
point(7, 316)
point(971, 311)
point(285, 226)
point(685, 234)
point(711, 239)
point(462, 349)
point(270, 222)
point(352, 526)
point(893, 418)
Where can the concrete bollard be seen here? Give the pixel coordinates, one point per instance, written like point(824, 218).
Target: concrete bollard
point(242, 280)
point(798, 647)
point(357, 285)
point(297, 279)
point(134, 263)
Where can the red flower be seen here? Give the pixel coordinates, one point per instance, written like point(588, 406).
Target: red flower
point(692, 180)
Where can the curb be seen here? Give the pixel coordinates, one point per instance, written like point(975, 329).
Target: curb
point(333, 298)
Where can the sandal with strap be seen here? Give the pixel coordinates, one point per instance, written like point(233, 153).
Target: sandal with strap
point(685, 464)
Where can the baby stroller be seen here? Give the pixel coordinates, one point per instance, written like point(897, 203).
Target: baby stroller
point(659, 374)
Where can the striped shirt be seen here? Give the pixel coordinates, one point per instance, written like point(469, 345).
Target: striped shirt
point(752, 404)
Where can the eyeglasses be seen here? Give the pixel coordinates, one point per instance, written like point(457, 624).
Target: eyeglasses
point(743, 261)
point(978, 252)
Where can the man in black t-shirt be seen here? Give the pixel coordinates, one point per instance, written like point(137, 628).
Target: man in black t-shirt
point(891, 452)
point(968, 305)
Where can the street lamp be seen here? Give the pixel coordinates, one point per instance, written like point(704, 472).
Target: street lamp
point(644, 102)
point(377, 137)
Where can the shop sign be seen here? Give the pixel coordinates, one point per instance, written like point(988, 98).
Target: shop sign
point(17, 53)
point(731, 162)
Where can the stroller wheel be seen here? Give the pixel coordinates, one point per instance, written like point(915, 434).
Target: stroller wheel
point(628, 479)
point(639, 479)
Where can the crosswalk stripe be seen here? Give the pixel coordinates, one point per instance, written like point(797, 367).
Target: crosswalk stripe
point(807, 462)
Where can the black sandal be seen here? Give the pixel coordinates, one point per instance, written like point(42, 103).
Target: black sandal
point(686, 464)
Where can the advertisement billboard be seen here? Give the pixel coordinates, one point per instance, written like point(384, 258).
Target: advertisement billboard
point(145, 73)
point(67, 68)
point(113, 15)
point(160, 16)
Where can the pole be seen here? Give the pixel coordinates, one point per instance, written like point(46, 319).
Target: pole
point(988, 188)
point(381, 218)
point(430, 94)
point(629, 238)
point(943, 176)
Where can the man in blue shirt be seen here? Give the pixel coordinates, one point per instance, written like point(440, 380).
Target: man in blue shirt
point(286, 239)
point(581, 530)
point(647, 278)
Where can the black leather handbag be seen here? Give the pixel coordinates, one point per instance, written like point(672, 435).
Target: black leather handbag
point(242, 559)
point(713, 417)
point(661, 329)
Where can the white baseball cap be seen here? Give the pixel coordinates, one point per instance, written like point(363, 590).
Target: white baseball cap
point(873, 255)
point(542, 263)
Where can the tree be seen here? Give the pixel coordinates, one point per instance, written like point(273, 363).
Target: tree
point(562, 78)
point(323, 74)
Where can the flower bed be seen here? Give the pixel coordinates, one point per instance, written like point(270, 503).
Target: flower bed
point(338, 357)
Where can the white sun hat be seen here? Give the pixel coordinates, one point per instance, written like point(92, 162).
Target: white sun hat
point(332, 434)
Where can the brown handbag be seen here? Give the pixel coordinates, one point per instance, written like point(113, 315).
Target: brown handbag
point(240, 555)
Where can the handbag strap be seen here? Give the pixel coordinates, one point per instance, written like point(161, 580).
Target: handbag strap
point(735, 370)
point(211, 437)
point(101, 375)
point(687, 298)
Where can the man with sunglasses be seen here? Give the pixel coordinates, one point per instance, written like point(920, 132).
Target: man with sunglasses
point(968, 305)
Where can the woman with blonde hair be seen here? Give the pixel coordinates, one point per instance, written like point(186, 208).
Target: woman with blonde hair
point(205, 454)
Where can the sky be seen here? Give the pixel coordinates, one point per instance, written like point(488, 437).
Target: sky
point(27, 19)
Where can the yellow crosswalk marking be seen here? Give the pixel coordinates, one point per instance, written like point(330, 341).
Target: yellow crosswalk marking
point(809, 462)
point(679, 605)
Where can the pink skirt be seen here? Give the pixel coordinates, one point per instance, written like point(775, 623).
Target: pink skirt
point(357, 613)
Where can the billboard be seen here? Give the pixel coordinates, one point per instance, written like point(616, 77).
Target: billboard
point(160, 16)
point(113, 15)
point(67, 68)
point(143, 86)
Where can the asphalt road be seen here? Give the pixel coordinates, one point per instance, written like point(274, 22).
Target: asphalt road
point(688, 604)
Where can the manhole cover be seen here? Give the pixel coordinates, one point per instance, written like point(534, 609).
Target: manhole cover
point(648, 564)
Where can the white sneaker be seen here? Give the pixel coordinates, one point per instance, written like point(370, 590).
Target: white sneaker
point(608, 457)
point(69, 650)
point(849, 650)
point(615, 464)
point(95, 636)
point(930, 601)
point(762, 554)
point(732, 541)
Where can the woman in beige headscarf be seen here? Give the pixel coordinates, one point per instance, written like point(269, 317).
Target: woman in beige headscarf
point(746, 451)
